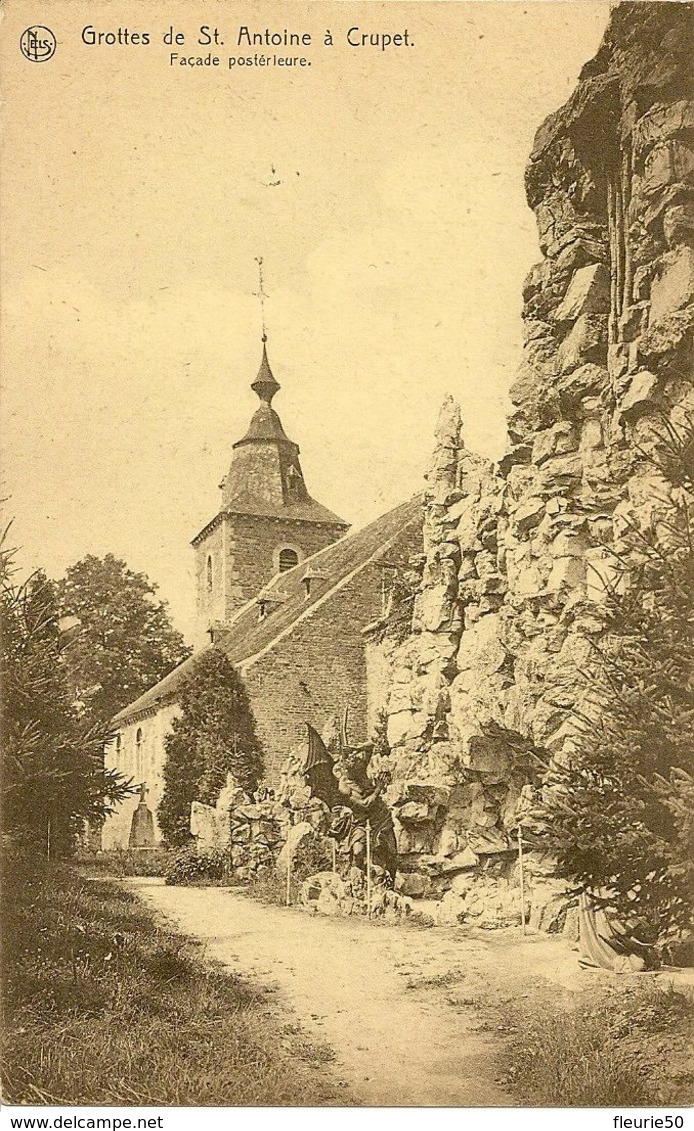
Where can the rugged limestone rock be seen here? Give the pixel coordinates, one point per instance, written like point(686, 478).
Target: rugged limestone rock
point(329, 894)
point(295, 835)
point(516, 564)
point(252, 831)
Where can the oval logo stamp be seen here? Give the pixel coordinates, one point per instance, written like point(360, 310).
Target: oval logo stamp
point(38, 43)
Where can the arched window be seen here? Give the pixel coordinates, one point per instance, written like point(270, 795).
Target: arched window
point(286, 556)
point(288, 559)
point(139, 760)
point(209, 573)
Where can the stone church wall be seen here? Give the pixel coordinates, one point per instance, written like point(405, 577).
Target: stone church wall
point(216, 596)
point(254, 541)
point(244, 551)
point(141, 760)
point(515, 559)
point(319, 668)
point(308, 675)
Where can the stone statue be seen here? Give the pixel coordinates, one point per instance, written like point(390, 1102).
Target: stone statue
point(354, 799)
point(365, 803)
point(142, 824)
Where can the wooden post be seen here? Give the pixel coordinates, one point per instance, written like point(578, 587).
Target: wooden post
point(334, 844)
point(368, 869)
point(520, 871)
point(289, 879)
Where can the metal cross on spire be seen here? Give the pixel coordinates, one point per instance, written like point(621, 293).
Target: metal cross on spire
point(260, 294)
point(264, 385)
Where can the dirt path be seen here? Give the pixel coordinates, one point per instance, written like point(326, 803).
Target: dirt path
point(399, 1006)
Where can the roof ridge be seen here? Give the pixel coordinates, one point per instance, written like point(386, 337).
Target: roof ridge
point(342, 581)
point(347, 538)
point(399, 518)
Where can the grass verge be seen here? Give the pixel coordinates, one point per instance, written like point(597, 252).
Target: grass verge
point(628, 1047)
point(125, 862)
point(104, 1006)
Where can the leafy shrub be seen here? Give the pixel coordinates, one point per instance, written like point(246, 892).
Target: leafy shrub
point(269, 887)
point(314, 854)
point(191, 866)
point(214, 735)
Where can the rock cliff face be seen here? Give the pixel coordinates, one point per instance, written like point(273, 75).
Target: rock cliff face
point(515, 560)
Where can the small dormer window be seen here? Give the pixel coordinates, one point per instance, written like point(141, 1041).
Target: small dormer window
point(268, 601)
point(311, 578)
point(209, 576)
point(294, 481)
point(288, 559)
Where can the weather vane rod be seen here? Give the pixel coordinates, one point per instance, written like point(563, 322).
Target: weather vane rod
point(260, 294)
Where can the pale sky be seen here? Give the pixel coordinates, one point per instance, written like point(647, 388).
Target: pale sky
point(136, 196)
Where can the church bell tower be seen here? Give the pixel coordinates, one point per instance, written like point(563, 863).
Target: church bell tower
point(267, 522)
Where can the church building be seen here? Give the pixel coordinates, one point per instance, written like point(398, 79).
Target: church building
point(286, 592)
point(267, 522)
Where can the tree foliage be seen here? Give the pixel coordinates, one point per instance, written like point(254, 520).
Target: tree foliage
point(124, 641)
point(54, 777)
point(214, 734)
point(620, 815)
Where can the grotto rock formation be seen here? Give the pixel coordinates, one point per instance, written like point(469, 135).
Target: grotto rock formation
point(515, 560)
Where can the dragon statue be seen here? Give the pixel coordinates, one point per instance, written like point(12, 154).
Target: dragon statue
point(354, 800)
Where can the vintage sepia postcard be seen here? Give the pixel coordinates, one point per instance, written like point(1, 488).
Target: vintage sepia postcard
point(347, 568)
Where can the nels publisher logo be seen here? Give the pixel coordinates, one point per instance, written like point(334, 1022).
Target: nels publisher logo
point(38, 44)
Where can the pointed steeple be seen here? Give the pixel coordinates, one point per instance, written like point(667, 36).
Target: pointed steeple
point(265, 384)
point(265, 423)
point(265, 475)
point(267, 520)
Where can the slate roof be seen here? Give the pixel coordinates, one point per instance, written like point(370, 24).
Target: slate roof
point(247, 635)
point(310, 511)
point(266, 425)
point(265, 476)
point(265, 384)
